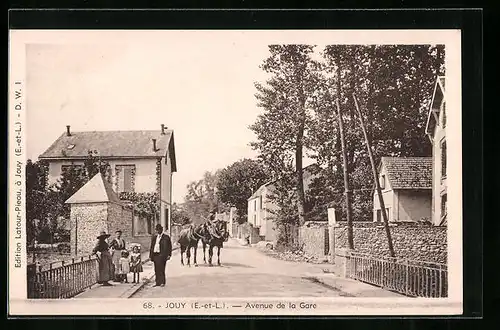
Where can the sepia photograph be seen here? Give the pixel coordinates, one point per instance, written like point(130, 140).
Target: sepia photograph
point(235, 172)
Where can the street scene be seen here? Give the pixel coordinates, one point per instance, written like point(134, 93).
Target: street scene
point(301, 170)
point(244, 272)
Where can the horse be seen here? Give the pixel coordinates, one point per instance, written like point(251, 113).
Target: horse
point(189, 237)
point(218, 235)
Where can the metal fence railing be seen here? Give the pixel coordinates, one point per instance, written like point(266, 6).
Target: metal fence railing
point(409, 277)
point(64, 281)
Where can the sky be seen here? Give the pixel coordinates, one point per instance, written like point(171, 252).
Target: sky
point(199, 85)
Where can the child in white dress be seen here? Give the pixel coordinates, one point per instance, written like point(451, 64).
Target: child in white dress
point(124, 266)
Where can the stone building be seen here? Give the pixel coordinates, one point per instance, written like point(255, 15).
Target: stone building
point(140, 161)
point(94, 208)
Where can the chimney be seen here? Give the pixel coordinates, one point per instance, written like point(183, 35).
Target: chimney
point(163, 128)
point(68, 131)
point(154, 145)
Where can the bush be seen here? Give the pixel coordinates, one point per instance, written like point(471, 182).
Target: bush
point(64, 247)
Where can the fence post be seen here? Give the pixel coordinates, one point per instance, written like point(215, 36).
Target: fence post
point(407, 276)
point(440, 291)
point(331, 233)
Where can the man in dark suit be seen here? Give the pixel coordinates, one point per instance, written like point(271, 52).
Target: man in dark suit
point(159, 252)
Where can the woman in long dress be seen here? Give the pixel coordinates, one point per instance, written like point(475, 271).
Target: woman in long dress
point(117, 245)
point(104, 257)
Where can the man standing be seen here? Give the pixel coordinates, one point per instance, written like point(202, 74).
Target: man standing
point(159, 252)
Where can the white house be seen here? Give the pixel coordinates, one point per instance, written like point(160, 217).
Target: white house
point(261, 207)
point(406, 184)
point(140, 161)
point(436, 131)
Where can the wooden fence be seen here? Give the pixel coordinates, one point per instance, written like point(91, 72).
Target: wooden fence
point(64, 281)
point(409, 277)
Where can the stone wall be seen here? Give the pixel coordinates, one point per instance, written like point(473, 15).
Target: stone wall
point(87, 221)
point(246, 229)
point(411, 240)
point(120, 218)
point(313, 237)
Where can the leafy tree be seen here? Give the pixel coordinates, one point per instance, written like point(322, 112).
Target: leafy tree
point(201, 197)
point(36, 199)
point(237, 182)
point(394, 84)
point(283, 127)
point(179, 215)
point(45, 205)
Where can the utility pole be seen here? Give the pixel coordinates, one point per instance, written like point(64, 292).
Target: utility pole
point(375, 178)
point(350, 239)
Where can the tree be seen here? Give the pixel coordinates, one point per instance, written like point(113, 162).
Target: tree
point(179, 215)
point(201, 197)
point(237, 182)
point(394, 83)
point(36, 199)
point(45, 205)
point(282, 129)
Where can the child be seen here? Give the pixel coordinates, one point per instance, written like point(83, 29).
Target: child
point(124, 266)
point(135, 262)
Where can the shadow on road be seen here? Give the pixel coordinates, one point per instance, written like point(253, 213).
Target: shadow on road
point(235, 264)
point(224, 265)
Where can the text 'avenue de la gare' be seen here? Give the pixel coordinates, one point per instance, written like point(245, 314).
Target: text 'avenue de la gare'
point(223, 305)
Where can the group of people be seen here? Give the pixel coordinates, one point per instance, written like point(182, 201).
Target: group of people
point(115, 261)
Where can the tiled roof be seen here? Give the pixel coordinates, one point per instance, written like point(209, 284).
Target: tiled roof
point(409, 172)
point(97, 190)
point(109, 144)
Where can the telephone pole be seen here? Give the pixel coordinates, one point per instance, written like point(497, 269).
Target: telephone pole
point(347, 191)
point(375, 177)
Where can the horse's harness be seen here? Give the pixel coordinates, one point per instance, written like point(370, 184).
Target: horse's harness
point(197, 235)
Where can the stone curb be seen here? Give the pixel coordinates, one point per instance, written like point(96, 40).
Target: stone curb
point(318, 280)
point(321, 279)
point(134, 289)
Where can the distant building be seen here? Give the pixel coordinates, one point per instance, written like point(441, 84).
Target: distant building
point(406, 184)
point(261, 208)
point(436, 131)
point(140, 161)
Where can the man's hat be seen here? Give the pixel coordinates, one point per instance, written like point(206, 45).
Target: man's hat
point(103, 235)
point(158, 227)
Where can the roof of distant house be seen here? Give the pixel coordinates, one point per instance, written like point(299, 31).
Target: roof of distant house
point(96, 190)
point(113, 144)
point(308, 173)
point(408, 172)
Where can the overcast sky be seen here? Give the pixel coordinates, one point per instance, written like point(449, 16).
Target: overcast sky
point(200, 85)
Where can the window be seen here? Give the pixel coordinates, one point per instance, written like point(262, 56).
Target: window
point(125, 178)
point(444, 205)
point(379, 215)
point(387, 211)
point(260, 202)
point(443, 160)
point(382, 182)
point(142, 226)
point(255, 205)
point(255, 219)
point(65, 168)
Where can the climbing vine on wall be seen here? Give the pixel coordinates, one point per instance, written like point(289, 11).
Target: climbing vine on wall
point(146, 205)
